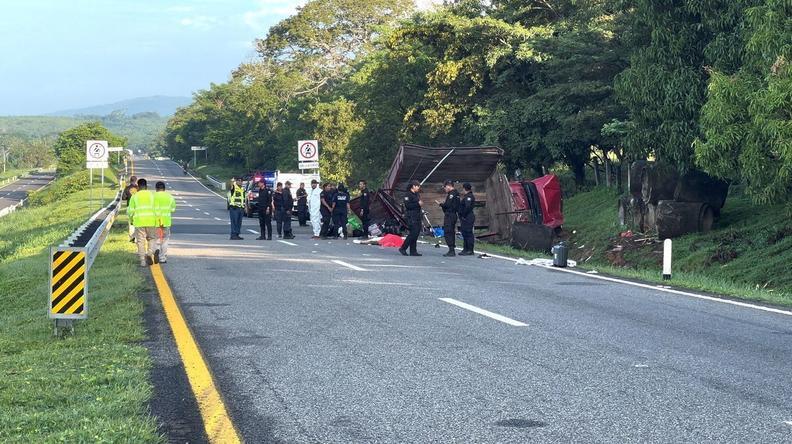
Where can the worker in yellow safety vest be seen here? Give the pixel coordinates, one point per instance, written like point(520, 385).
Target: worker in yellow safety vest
point(236, 206)
point(144, 218)
point(164, 206)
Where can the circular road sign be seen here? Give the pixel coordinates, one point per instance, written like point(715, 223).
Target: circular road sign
point(97, 151)
point(308, 150)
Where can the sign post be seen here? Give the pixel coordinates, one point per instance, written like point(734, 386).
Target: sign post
point(195, 150)
point(96, 156)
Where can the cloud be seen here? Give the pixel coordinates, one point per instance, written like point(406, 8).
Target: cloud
point(268, 9)
point(200, 22)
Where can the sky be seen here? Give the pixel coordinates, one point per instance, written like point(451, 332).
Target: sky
point(64, 54)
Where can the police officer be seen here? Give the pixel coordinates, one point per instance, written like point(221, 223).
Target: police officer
point(236, 207)
point(326, 197)
point(365, 206)
point(450, 209)
point(412, 212)
point(288, 206)
point(265, 211)
point(340, 211)
point(302, 205)
point(467, 219)
point(277, 205)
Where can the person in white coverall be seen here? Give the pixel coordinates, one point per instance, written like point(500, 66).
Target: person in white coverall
point(314, 205)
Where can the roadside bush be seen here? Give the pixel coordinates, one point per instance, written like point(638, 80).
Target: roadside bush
point(60, 187)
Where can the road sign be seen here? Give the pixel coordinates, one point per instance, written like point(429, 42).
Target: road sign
point(96, 151)
point(308, 150)
point(68, 271)
point(309, 165)
point(198, 148)
point(96, 164)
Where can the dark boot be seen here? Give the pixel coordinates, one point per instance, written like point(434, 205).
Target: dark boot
point(451, 253)
point(403, 251)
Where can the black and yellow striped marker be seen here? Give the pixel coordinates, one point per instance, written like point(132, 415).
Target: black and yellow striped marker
point(68, 271)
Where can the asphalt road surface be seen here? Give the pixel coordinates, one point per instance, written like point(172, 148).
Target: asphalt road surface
point(328, 341)
point(12, 193)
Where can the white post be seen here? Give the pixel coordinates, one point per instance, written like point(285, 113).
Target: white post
point(90, 190)
point(667, 259)
point(101, 190)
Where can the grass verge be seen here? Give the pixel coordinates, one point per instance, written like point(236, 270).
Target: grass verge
point(89, 387)
point(746, 256)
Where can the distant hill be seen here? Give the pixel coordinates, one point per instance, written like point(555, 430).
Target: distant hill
point(162, 105)
point(141, 129)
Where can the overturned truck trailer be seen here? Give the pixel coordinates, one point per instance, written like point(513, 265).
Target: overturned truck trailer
point(432, 166)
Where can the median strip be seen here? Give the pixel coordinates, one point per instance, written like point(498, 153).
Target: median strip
point(217, 422)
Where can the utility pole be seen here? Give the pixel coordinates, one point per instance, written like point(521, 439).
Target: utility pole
point(5, 154)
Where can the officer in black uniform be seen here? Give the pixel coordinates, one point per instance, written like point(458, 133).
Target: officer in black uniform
point(277, 204)
point(467, 219)
point(412, 212)
point(365, 205)
point(340, 211)
point(288, 206)
point(450, 209)
point(302, 205)
point(326, 207)
point(265, 211)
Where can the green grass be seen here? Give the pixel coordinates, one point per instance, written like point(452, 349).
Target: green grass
point(89, 387)
point(13, 172)
point(747, 255)
point(219, 172)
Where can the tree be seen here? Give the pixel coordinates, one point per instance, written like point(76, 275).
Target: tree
point(70, 145)
point(747, 119)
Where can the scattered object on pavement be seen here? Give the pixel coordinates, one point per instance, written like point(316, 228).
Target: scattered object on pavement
point(484, 256)
point(521, 261)
point(391, 241)
point(560, 254)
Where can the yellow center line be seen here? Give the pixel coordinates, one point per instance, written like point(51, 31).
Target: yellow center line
point(217, 423)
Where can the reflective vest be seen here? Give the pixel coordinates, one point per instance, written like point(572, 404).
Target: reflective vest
point(164, 205)
point(236, 197)
point(141, 209)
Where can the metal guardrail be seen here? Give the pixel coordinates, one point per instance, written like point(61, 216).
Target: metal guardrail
point(69, 265)
point(216, 183)
point(10, 209)
point(8, 181)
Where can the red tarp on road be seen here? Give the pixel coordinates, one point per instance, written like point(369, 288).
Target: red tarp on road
point(391, 240)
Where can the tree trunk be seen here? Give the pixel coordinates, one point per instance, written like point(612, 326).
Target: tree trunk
point(579, 170)
point(595, 168)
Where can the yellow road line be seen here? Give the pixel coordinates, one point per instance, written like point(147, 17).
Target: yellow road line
point(217, 423)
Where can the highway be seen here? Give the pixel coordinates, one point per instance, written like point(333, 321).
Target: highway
point(14, 192)
point(332, 342)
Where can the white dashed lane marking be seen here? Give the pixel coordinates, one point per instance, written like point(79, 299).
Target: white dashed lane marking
point(348, 265)
point(288, 243)
point(484, 312)
point(252, 231)
point(217, 218)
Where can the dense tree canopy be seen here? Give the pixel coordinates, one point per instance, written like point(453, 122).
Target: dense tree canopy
point(703, 83)
point(70, 145)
